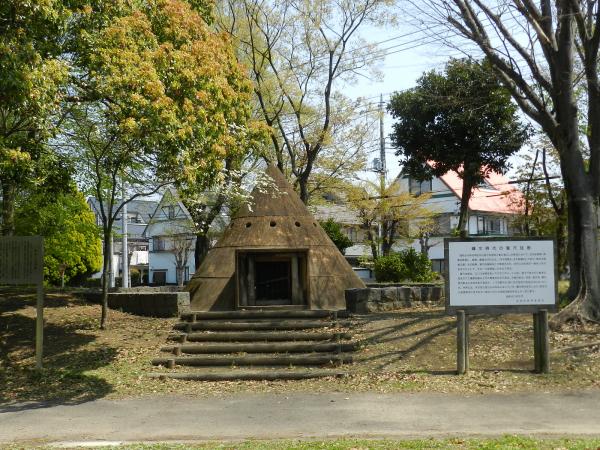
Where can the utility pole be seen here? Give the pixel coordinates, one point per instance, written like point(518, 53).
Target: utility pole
point(382, 173)
point(111, 268)
point(125, 252)
point(382, 144)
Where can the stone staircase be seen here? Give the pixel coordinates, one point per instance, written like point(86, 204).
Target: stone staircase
point(263, 344)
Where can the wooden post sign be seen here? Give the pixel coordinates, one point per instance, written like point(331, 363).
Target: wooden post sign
point(499, 276)
point(22, 262)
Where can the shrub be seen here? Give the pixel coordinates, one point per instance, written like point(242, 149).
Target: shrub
point(335, 233)
point(407, 265)
point(389, 268)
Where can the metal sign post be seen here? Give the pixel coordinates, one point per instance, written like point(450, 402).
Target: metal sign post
point(499, 276)
point(22, 263)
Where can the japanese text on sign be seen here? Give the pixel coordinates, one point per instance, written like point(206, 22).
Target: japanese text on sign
point(501, 273)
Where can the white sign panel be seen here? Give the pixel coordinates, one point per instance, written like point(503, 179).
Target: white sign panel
point(501, 273)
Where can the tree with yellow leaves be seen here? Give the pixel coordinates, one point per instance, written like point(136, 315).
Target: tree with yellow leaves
point(390, 214)
point(161, 99)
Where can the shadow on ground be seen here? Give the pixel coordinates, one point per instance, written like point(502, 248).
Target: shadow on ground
point(68, 355)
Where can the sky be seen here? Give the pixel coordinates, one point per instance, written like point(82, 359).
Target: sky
point(408, 55)
point(410, 52)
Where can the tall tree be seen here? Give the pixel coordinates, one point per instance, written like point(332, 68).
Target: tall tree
point(32, 83)
point(301, 55)
point(543, 52)
point(162, 100)
point(462, 120)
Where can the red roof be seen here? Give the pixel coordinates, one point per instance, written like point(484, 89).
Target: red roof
point(501, 197)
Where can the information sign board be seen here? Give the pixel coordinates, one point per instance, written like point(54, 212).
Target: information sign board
point(21, 260)
point(497, 275)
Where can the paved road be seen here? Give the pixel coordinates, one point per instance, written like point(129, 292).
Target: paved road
point(261, 416)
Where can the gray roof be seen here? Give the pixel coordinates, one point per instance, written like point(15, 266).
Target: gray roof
point(145, 208)
point(340, 213)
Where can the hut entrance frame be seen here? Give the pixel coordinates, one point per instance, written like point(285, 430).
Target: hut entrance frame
point(272, 277)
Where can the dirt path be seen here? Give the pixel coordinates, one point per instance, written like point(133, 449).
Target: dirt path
point(259, 416)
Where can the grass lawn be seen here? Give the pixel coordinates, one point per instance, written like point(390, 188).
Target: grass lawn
point(506, 442)
point(407, 350)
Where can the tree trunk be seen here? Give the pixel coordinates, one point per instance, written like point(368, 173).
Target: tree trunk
point(573, 254)
point(387, 233)
point(583, 256)
point(424, 243)
point(463, 220)
point(106, 257)
point(373, 244)
point(303, 186)
point(9, 194)
point(179, 276)
point(201, 249)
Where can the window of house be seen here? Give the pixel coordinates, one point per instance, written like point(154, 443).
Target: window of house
point(417, 187)
point(494, 225)
point(171, 213)
point(490, 225)
point(352, 234)
point(438, 265)
point(158, 244)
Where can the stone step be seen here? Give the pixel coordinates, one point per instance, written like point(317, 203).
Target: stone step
point(256, 360)
point(268, 374)
point(262, 347)
point(259, 325)
point(263, 314)
point(258, 336)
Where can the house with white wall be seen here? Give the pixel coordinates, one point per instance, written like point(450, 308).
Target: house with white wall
point(172, 241)
point(139, 213)
point(493, 207)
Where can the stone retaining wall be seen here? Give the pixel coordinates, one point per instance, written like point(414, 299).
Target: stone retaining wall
point(154, 304)
point(378, 299)
point(152, 289)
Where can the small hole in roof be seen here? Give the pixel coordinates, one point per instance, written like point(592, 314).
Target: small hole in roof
point(248, 224)
point(297, 224)
point(273, 223)
point(314, 224)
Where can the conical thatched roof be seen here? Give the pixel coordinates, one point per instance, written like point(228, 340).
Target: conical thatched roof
point(274, 221)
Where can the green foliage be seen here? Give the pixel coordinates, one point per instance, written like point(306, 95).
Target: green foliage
point(171, 91)
point(407, 265)
point(389, 268)
point(32, 85)
point(71, 236)
point(463, 115)
point(335, 233)
point(462, 120)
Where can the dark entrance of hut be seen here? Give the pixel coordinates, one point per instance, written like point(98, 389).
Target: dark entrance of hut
point(271, 278)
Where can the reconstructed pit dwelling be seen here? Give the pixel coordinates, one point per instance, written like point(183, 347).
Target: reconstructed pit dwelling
point(274, 254)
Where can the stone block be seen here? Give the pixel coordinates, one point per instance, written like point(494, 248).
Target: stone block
point(437, 293)
point(404, 294)
point(398, 304)
point(155, 304)
point(415, 294)
point(389, 295)
point(351, 299)
point(371, 307)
